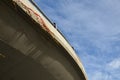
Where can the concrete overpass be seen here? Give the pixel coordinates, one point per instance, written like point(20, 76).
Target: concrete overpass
point(31, 48)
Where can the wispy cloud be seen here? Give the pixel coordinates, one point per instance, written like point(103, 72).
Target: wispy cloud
point(93, 29)
point(100, 76)
point(114, 64)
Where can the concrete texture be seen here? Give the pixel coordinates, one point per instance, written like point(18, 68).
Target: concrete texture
point(32, 48)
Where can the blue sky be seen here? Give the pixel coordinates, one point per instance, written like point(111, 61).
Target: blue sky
point(93, 28)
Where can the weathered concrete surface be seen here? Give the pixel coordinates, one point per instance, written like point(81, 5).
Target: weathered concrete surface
point(26, 32)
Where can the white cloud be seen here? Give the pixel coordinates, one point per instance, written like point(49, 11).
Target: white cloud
point(114, 64)
point(98, 75)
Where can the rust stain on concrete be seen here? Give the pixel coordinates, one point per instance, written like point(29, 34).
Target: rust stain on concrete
point(37, 17)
